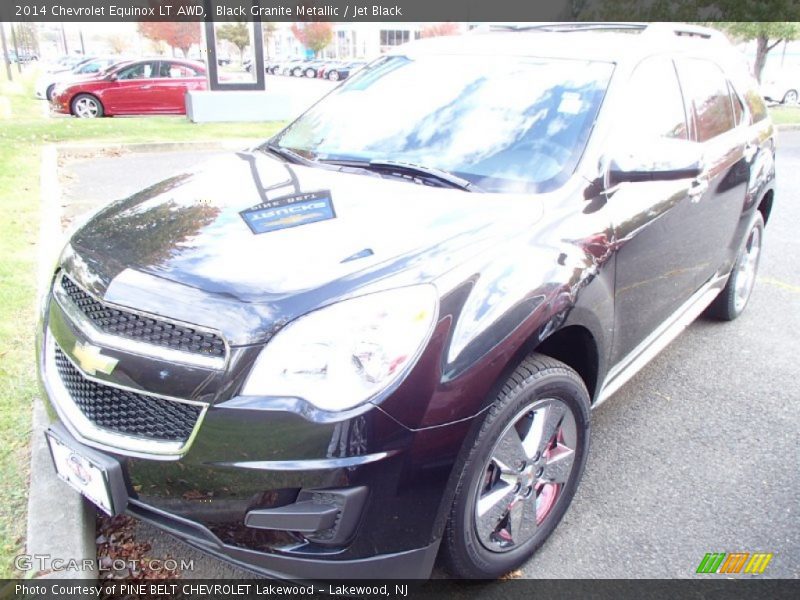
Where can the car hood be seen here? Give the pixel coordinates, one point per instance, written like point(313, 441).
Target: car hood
point(184, 241)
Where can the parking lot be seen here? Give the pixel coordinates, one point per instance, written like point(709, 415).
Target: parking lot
point(698, 453)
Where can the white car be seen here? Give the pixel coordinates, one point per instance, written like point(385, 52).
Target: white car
point(47, 82)
point(783, 88)
point(64, 63)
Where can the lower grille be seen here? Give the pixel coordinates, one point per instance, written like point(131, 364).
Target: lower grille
point(125, 412)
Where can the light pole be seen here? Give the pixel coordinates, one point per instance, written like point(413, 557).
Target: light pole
point(5, 50)
point(16, 48)
point(64, 39)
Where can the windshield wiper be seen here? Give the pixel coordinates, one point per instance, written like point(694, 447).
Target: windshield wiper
point(400, 167)
point(438, 174)
point(285, 153)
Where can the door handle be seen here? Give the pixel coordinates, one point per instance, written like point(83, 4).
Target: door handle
point(698, 188)
point(750, 152)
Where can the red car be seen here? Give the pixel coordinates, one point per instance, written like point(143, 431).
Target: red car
point(153, 86)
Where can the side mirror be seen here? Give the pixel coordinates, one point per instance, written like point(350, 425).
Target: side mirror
point(662, 159)
point(113, 77)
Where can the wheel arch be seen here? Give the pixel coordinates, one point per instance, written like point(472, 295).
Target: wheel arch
point(765, 205)
point(576, 347)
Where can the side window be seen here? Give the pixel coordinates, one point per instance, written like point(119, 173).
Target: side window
point(137, 71)
point(738, 107)
point(707, 89)
point(177, 71)
point(654, 105)
point(164, 69)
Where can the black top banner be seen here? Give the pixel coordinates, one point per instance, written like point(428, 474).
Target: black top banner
point(475, 11)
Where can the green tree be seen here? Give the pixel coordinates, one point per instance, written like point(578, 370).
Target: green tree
point(767, 35)
point(237, 34)
point(766, 23)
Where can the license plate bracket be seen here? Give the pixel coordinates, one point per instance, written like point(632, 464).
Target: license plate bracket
point(97, 476)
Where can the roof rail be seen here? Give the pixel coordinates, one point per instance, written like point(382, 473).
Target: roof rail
point(649, 29)
point(684, 30)
point(564, 26)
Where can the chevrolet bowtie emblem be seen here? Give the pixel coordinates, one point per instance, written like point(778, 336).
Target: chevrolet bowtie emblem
point(91, 360)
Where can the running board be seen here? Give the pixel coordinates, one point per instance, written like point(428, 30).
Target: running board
point(654, 343)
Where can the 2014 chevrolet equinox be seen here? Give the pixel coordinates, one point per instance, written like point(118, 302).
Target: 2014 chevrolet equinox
point(379, 335)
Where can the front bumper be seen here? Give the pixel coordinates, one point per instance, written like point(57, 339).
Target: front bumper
point(60, 104)
point(252, 460)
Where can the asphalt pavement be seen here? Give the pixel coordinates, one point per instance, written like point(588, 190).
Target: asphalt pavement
point(699, 453)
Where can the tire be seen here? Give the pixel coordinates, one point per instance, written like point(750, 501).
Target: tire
point(310, 73)
point(520, 472)
point(86, 106)
point(333, 76)
point(790, 97)
point(49, 92)
point(734, 297)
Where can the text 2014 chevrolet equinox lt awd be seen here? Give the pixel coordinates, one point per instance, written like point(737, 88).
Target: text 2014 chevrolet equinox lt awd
point(377, 338)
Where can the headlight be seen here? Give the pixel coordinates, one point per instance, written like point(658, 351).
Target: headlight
point(345, 354)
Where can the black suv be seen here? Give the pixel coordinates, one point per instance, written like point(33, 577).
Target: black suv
point(378, 337)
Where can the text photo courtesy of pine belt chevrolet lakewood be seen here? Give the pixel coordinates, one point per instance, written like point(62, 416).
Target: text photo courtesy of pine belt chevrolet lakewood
point(377, 338)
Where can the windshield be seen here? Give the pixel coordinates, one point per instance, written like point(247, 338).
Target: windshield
point(505, 124)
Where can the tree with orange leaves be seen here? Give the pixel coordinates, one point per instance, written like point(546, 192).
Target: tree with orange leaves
point(314, 35)
point(438, 29)
point(177, 35)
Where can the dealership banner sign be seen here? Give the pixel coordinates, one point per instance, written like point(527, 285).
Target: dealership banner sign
point(400, 10)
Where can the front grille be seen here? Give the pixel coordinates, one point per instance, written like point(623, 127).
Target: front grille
point(126, 412)
point(144, 329)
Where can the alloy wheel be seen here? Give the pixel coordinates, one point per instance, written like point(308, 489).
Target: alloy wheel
point(528, 468)
point(746, 271)
point(86, 108)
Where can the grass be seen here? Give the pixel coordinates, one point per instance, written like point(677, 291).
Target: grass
point(785, 115)
point(24, 129)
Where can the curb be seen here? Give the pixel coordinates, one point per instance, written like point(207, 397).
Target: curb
point(61, 524)
point(788, 127)
point(78, 150)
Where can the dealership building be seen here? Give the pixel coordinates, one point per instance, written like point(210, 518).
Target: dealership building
point(350, 40)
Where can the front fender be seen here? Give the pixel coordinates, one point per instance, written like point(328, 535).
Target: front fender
point(497, 309)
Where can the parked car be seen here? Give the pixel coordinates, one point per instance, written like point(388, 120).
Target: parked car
point(377, 337)
point(64, 63)
point(783, 88)
point(341, 72)
point(287, 67)
point(46, 83)
point(322, 70)
point(310, 68)
point(23, 57)
point(151, 86)
point(298, 69)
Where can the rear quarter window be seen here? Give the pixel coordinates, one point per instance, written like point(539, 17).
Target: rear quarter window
point(706, 87)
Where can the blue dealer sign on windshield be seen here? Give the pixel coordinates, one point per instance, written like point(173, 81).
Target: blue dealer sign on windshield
point(289, 211)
